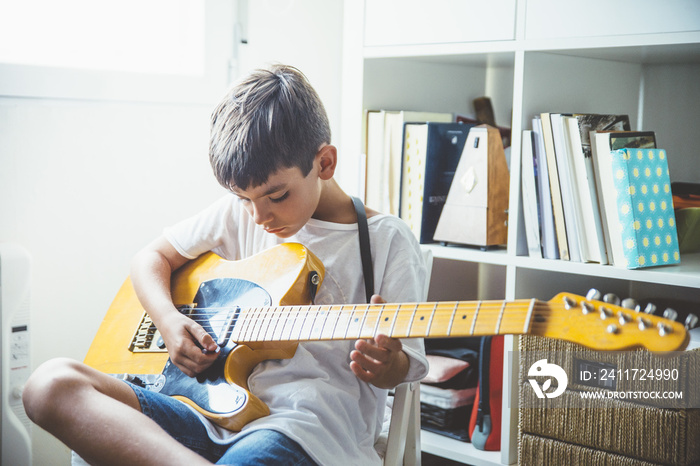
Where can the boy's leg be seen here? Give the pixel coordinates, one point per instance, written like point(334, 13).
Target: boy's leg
point(266, 447)
point(99, 417)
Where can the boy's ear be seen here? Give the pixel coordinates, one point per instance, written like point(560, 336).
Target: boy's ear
point(327, 158)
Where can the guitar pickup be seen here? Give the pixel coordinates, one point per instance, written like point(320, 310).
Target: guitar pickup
point(147, 338)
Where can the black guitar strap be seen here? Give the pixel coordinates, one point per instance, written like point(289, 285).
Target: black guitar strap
point(365, 253)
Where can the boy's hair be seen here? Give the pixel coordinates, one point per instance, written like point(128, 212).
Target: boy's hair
point(270, 120)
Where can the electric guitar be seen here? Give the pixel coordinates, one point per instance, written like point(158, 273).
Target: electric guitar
point(260, 308)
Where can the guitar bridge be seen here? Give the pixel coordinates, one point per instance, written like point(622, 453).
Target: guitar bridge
point(147, 338)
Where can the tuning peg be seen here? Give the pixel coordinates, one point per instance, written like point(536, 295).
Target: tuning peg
point(670, 314)
point(630, 303)
point(664, 329)
point(650, 308)
point(611, 298)
point(593, 295)
point(691, 321)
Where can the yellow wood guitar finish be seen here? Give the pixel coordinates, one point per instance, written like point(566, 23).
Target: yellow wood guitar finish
point(272, 329)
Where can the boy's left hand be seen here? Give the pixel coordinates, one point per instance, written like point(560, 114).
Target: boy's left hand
point(379, 360)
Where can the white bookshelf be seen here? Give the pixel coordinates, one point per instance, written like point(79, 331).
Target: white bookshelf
point(640, 57)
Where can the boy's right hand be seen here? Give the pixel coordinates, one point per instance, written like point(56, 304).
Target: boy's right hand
point(190, 347)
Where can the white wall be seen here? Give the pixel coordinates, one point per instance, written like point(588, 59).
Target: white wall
point(306, 34)
point(85, 183)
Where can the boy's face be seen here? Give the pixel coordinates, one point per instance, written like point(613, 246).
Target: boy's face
point(284, 203)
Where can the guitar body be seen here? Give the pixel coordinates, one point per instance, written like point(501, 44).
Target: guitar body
point(276, 277)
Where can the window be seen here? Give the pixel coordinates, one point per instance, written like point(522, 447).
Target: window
point(146, 50)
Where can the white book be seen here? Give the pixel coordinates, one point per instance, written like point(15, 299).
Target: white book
point(586, 195)
point(384, 142)
point(566, 184)
point(548, 237)
point(393, 150)
point(603, 166)
point(529, 197)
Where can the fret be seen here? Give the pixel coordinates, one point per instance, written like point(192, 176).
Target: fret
point(251, 316)
point(454, 311)
point(386, 320)
point(476, 316)
point(370, 322)
point(379, 317)
point(420, 321)
point(515, 317)
point(441, 319)
point(430, 322)
point(269, 324)
point(278, 317)
point(329, 324)
point(528, 318)
point(259, 324)
point(307, 327)
point(355, 325)
point(500, 317)
point(299, 319)
point(393, 322)
point(289, 321)
point(401, 326)
point(265, 322)
point(320, 317)
point(410, 324)
point(340, 329)
point(460, 323)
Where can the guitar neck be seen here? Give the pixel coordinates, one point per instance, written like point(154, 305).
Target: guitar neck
point(408, 320)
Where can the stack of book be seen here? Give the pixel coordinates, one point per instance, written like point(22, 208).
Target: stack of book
point(384, 143)
point(595, 191)
point(411, 162)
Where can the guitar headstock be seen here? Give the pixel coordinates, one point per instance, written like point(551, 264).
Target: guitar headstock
point(606, 326)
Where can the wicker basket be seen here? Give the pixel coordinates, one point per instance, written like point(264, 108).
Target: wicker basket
point(578, 428)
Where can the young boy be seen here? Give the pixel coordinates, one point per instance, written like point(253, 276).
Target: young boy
point(270, 147)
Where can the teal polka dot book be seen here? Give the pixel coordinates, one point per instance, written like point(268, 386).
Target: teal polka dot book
point(647, 223)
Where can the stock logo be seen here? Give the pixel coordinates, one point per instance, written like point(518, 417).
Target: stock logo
point(543, 369)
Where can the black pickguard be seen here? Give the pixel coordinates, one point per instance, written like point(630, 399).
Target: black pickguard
point(218, 303)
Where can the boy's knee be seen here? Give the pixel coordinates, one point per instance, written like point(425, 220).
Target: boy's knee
point(49, 382)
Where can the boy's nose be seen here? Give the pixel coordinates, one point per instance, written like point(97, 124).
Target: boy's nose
point(261, 214)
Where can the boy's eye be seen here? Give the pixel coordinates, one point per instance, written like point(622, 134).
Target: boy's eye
point(281, 198)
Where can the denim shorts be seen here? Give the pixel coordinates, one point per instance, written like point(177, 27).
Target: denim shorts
point(260, 447)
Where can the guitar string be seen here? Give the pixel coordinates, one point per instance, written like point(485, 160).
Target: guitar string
point(288, 312)
point(257, 320)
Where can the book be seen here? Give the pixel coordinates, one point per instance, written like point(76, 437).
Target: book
point(554, 186)
point(574, 235)
point(548, 235)
point(393, 133)
point(647, 223)
point(579, 127)
point(531, 217)
point(602, 144)
point(431, 153)
point(384, 144)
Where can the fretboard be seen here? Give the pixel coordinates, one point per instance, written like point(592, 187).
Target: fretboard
point(412, 320)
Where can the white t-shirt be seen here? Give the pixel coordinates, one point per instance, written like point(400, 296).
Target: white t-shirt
point(314, 397)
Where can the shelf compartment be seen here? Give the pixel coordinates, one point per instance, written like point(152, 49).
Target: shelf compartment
point(463, 452)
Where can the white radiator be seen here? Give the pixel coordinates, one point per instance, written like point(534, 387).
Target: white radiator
point(15, 367)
